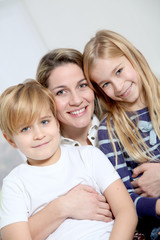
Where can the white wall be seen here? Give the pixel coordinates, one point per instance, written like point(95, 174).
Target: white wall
point(28, 28)
point(71, 23)
point(20, 44)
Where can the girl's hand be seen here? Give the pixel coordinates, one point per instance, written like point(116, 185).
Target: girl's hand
point(83, 202)
point(158, 207)
point(147, 185)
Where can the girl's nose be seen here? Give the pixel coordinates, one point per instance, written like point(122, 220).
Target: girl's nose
point(118, 86)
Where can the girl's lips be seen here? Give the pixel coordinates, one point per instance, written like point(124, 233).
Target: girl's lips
point(127, 92)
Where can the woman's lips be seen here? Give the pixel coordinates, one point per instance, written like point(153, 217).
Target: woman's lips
point(79, 112)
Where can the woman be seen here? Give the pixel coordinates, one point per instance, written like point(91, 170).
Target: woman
point(61, 71)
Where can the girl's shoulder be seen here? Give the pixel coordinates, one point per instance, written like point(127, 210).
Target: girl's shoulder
point(142, 114)
point(103, 121)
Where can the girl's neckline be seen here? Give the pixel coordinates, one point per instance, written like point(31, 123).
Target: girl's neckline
point(139, 110)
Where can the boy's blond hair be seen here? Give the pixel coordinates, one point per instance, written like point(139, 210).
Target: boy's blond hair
point(21, 104)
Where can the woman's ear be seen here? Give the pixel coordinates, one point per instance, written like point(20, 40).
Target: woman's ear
point(10, 140)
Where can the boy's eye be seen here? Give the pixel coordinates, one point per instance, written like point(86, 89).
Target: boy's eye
point(25, 129)
point(119, 71)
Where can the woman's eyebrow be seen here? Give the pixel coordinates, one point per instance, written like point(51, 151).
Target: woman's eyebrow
point(61, 86)
point(64, 86)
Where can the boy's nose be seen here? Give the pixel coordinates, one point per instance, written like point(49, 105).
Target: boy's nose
point(38, 133)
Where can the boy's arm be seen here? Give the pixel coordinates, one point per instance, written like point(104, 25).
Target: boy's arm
point(123, 210)
point(16, 231)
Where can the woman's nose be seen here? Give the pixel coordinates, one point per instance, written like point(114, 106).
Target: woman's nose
point(76, 99)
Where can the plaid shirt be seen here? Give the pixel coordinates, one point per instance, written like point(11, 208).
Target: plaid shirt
point(145, 206)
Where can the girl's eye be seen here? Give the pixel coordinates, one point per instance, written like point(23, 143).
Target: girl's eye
point(119, 71)
point(44, 122)
point(25, 129)
point(105, 84)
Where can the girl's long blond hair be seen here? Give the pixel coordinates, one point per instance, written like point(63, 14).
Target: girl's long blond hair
point(108, 44)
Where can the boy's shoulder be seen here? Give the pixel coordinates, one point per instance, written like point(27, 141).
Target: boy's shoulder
point(80, 149)
point(15, 172)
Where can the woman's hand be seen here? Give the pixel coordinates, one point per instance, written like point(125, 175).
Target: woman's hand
point(83, 202)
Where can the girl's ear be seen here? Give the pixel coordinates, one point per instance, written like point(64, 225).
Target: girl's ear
point(10, 140)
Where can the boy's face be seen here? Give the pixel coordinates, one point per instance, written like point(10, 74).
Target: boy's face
point(39, 142)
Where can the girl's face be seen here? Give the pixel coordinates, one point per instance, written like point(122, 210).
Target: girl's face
point(119, 80)
point(74, 99)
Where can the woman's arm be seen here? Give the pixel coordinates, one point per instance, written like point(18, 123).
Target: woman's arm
point(16, 231)
point(123, 210)
point(82, 202)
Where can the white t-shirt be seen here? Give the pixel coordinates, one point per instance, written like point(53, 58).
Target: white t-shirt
point(28, 189)
point(92, 135)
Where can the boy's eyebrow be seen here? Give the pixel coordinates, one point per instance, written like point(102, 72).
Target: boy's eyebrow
point(47, 116)
point(63, 86)
point(27, 124)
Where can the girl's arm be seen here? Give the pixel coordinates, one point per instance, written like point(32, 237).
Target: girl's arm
point(123, 210)
point(16, 231)
point(43, 223)
point(145, 206)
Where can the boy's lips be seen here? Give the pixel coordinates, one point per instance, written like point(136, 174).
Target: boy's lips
point(40, 145)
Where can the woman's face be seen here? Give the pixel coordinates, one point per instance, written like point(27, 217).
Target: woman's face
point(74, 99)
point(119, 80)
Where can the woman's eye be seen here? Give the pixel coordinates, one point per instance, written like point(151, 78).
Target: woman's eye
point(119, 71)
point(83, 85)
point(60, 92)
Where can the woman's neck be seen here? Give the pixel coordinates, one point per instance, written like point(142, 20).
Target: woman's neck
point(77, 134)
